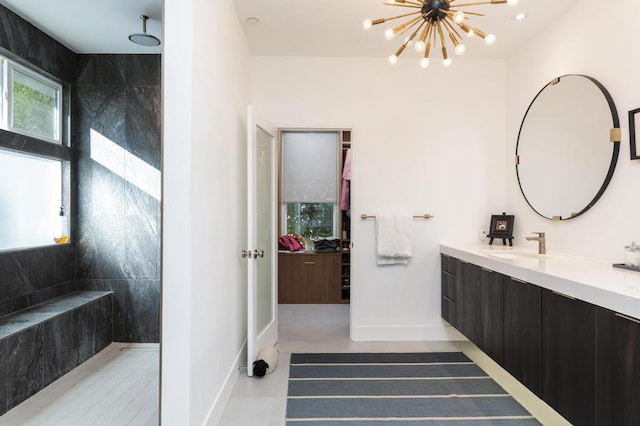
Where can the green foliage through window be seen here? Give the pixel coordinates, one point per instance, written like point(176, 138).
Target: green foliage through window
point(311, 220)
point(33, 111)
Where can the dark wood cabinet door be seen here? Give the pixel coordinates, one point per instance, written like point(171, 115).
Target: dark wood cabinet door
point(469, 302)
point(449, 310)
point(618, 358)
point(522, 333)
point(492, 315)
point(449, 288)
point(326, 277)
point(569, 357)
point(309, 278)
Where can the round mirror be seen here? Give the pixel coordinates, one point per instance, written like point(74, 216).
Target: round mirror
point(565, 157)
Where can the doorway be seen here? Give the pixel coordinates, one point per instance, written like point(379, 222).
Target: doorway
point(314, 206)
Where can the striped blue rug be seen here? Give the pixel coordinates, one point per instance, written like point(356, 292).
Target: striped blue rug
point(358, 389)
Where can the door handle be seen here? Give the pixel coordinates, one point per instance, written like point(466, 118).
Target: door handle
point(252, 254)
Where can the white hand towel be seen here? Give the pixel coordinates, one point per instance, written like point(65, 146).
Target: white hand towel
point(394, 239)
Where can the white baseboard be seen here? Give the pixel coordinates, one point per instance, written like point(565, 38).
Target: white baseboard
point(405, 333)
point(220, 402)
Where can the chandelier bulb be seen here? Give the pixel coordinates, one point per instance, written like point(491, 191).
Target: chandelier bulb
point(419, 46)
point(393, 59)
point(389, 34)
point(446, 62)
point(490, 39)
point(460, 49)
point(458, 16)
point(470, 33)
point(513, 2)
point(424, 63)
point(367, 24)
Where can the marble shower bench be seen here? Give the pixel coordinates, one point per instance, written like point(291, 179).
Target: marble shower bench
point(43, 342)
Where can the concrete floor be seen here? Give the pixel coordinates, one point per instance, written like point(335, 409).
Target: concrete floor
point(325, 328)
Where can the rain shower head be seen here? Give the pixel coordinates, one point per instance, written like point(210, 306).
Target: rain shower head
point(143, 38)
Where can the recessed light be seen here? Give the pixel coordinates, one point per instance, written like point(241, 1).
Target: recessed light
point(253, 21)
point(520, 16)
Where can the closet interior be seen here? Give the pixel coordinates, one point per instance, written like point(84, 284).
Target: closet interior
point(314, 200)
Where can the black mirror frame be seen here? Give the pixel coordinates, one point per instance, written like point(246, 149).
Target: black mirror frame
point(614, 156)
point(632, 134)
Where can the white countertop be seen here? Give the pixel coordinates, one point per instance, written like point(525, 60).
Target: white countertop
point(591, 280)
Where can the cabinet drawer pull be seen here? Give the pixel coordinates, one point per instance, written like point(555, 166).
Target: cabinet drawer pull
point(487, 270)
point(448, 299)
point(563, 295)
point(309, 263)
point(518, 281)
point(628, 318)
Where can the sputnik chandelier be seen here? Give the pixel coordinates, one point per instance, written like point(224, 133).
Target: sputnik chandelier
point(432, 19)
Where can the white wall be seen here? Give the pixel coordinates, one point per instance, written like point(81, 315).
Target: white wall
point(206, 91)
point(424, 141)
point(583, 41)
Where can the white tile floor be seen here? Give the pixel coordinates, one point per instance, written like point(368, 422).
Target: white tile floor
point(118, 386)
point(325, 328)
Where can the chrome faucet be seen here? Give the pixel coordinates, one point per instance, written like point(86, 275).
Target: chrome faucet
point(542, 245)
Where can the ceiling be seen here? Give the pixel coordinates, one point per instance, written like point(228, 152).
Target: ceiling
point(286, 28)
point(93, 26)
point(334, 27)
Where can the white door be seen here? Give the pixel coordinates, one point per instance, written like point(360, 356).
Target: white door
point(262, 250)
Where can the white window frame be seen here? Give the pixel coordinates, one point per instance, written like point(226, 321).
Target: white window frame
point(8, 69)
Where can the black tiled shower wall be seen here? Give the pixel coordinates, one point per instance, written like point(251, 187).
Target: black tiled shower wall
point(117, 102)
point(115, 224)
point(23, 40)
point(4, 378)
point(25, 364)
point(29, 277)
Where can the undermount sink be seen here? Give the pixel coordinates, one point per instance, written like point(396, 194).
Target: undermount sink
point(514, 255)
point(505, 255)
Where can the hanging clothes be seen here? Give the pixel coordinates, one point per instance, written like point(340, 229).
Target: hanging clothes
point(346, 181)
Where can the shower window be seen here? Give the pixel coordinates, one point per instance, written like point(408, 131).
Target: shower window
point(32, 103)
point(34, 178)
point(29, 200)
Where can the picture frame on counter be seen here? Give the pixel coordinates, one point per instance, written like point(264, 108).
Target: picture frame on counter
point(501, 227)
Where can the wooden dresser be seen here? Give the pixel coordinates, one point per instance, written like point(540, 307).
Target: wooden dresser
point(309, 277)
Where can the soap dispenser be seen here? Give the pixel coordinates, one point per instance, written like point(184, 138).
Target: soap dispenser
point(632, 255)
point(63, 232)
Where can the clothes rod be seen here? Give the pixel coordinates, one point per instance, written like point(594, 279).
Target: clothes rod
point(423, 216)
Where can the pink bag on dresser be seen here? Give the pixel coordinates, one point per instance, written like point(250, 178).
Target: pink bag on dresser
point(290, 243)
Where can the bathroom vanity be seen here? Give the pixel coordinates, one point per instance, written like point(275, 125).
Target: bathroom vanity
point(565, 327)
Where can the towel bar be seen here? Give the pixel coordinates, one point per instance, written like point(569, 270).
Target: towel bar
point(423, 216)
